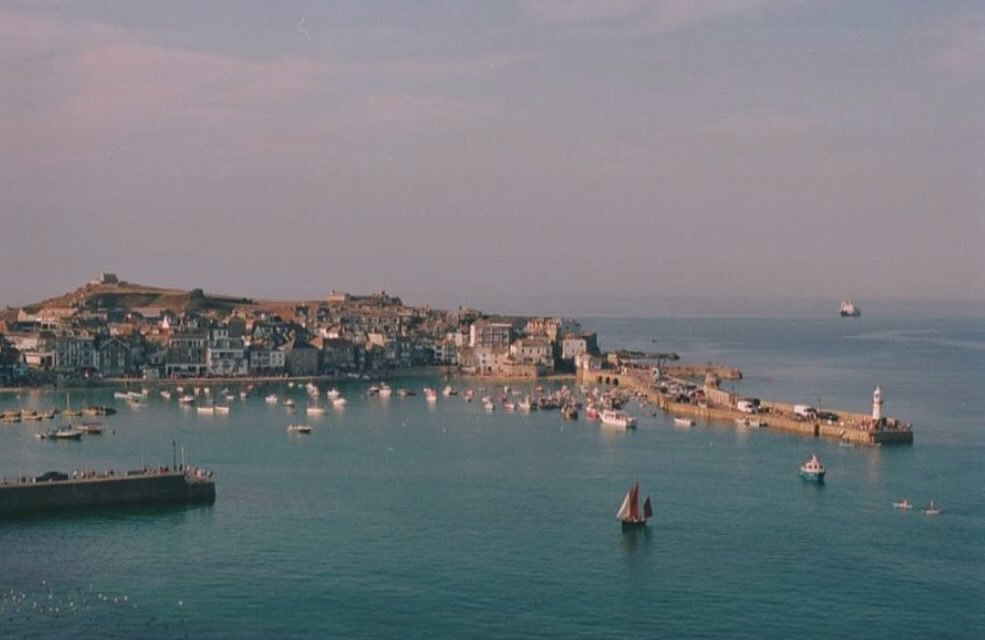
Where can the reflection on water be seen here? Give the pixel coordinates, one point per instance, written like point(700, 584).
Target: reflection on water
point(635, 540)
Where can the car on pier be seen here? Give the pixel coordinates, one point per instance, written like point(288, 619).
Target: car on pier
point(51, 476)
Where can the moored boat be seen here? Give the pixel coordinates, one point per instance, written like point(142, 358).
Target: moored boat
point(430, 394)
point(683, 422)
point(315, 410)
point(812, 470)
point(271, 399)
point(629, 511)
point(932, 509)
point(92, 428)
point(339, 402)
point(615, 418)
point(298, 428)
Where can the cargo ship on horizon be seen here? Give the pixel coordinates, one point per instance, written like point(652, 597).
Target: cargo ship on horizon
point(849, 309)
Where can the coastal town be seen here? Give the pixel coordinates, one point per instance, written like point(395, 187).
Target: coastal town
point(111, 329)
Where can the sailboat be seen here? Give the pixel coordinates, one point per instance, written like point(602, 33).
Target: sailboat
point(629, 511)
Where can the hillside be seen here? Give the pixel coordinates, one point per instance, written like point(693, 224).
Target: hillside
point(126, 295)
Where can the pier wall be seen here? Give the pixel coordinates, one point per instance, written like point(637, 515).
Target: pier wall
point(158, 488)
point(776, 416)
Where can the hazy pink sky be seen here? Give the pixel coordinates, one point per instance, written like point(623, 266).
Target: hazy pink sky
point(466, 152)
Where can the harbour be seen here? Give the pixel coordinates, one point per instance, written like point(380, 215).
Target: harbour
point(465, 491)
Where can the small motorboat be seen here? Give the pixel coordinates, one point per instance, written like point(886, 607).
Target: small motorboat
point(812, 470)
point(904, 505)
point(339, 402)
point(289, 402)
point(92, 428)
point(298, 428)
point(932, 509)
point(332, 393)
point(221, 409)
point(271, 399)
point(684, 422)
point(315, 410)
point(62, 433)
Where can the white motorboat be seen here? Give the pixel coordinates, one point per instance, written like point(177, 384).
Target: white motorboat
point(903, 505)
point(339, 402)
point(430, 394)
point(221, 409)
point(385, 390)
point(684, 422)
point(615, 418)
point(166, 394)
point(932, 509)
point(812, 470)
point(186, 399)
point(315, 410)
point(289, 402)
point(298, 428)
point(271, 399)
point(332, 393)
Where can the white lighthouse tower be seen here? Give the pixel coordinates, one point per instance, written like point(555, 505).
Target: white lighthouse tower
point(876, 404)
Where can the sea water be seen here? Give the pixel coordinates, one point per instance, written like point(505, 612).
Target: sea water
point(396, 518)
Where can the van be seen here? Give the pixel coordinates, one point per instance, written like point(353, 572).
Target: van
point(803, 410)
point(745, 406)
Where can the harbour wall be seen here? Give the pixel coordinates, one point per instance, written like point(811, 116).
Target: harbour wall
point(149, 488)
point(775, 415)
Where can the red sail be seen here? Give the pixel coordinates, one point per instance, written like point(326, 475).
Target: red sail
point(647, 508)
point(634, 502)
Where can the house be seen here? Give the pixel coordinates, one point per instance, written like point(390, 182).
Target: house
point(112, 357)
point(186, 354)
point(265, 361)
point(574, 344)
point(534, 350)
point(301, 358)
point(226, 355)
point(490, 335)
point(337, 354)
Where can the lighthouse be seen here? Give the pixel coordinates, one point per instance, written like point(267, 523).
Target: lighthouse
point(876, 404)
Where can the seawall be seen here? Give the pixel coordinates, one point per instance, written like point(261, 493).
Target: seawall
point(850, 428)
point(145, 488)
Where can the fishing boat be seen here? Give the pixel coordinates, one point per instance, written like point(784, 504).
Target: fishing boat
point(812, 470)
point(69, 412)
point(932, 509)
point(629, 511)
point(298, 428)
point(92, 428)
point(903, 506)
point(62, 433)
point(684, 422)
point(614, 418)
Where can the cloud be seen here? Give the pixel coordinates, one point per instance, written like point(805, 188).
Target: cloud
point(633, 16)
point(954, 45)
point(75, 89)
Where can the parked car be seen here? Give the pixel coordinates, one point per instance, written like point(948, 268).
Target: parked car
point(51, 476)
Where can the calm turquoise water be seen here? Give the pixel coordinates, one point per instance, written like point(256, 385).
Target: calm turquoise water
point(398, 520)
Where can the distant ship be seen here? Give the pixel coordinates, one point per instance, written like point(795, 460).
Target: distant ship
point(849, 310)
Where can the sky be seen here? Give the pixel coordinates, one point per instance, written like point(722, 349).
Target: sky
point(579, 154)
